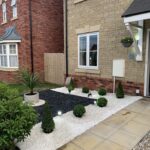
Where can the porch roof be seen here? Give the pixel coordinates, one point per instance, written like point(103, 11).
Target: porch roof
point(137, 7)
point(10, 35)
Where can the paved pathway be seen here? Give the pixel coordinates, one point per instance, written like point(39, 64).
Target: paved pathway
point(121, 131)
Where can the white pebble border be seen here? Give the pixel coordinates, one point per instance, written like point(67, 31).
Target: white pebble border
point(68, 127)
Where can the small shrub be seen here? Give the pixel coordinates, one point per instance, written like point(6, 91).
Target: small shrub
point(48, 124)
point(79, 110)
point(71, 86)
point(120, 91)
point(85, 90)
point(7, 93)
point(102, 102)
point(102, 92)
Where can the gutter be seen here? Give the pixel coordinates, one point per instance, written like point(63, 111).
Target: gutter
point(66, 34)
point(31, 33)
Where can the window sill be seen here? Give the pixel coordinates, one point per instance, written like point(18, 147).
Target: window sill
point(8, 69)
point(78, 1)
point(90, 71)
point(12, 19)
point(3, 23)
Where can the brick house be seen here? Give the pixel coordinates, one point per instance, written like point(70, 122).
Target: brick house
point(93, 31)
point(28, 29)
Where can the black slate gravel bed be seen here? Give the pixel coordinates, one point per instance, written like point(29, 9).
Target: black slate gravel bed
point(59, 101)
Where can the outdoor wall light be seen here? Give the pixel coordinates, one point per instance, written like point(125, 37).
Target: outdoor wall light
point(59, 113)
point(95, 102)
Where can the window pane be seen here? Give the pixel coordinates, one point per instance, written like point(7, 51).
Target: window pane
point(0, 49)
point(4, 49)
point(83, 58)
point(14, 11)
point(83, 42)
point(3, 61)
point(12, 49)
point(93, 42)
point(13, 61)
point(93, 59)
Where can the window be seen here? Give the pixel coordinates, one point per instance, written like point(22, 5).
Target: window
point(88, 50)
point(4, 12)
point(8, 56)
point(14, 8)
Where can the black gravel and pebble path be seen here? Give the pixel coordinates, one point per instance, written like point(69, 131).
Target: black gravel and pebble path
point(60, 101)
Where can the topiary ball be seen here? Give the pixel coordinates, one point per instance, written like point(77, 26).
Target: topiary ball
point(79, 110)
point(102, 92)
point(102, 102)
point(85, 90)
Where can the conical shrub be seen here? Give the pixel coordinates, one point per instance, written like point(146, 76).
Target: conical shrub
point(48, 123)
point(120, 91)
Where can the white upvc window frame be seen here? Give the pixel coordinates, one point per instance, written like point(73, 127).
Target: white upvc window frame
point(4, 12)
point(8, 56)
point(87, 35)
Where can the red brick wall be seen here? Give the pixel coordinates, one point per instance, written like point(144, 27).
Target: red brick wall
point(95, 83)
point(47, 33)
point(47, 30)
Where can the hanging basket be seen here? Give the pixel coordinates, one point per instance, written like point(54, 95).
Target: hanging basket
point(127, 42)
point(126, 45)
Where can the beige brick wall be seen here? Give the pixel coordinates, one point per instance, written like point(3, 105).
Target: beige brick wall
point(103, 16)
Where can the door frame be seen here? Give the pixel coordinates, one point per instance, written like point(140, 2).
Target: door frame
point(147, 62)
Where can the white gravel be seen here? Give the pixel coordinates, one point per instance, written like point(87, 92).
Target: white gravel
point(68, 127)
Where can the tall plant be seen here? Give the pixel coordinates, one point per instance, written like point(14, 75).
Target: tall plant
point(30, 80)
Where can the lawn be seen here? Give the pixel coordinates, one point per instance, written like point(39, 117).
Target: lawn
point(41, 86)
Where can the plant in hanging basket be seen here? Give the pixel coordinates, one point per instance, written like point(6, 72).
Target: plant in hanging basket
point(127, 41)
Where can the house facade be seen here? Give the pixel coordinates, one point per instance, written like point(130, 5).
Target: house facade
point(94, 29)
point(28, 29)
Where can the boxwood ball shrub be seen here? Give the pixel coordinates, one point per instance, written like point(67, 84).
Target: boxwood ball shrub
point(102, 102)
point(16, 119)
point(102, 92)
point(120, 91)
point(85, 90)
point(48, 123)
point(79, 110)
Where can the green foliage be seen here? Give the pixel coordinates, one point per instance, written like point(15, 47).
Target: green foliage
point(85, 90)
point(71, 86)
point(7, 93)
point(16, 120)
point(120, 91)
point(30, 80)
point(102, 92)
point(102, 102)
point(48, 123)
point(127, 40)
point(79, 110)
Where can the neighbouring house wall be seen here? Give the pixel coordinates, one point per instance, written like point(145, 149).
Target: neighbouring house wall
point(47, 31)
point(54, 67)
point(103, 16)
point(22, 27)
point(47, 21)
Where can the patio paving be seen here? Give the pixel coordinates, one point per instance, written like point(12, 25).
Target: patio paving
point(121, 131)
